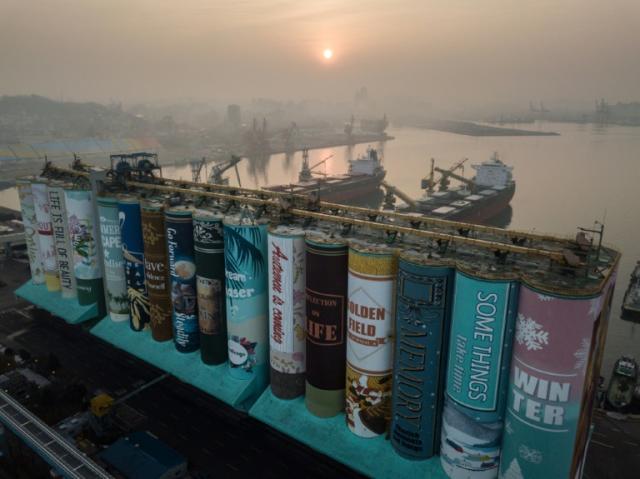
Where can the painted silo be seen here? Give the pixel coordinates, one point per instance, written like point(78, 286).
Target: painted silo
point(326, 325)
point(208, 241)
point(83, 232)
point(372, 275)
point(245, 255)
point(479, 357)
point(156, 270)
point(182, 274)
point(61, 236)
point(46, 243)
point(424, 292)
point(287, 311)
point(552, 380)
point(469, 449)
point(30, 223)
point(115, 281)
point(133, 253)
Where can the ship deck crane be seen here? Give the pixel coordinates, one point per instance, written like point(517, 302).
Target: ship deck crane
point(306, 172)
point(429, 182)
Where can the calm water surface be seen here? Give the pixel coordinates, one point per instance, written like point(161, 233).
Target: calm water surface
point(587, 173)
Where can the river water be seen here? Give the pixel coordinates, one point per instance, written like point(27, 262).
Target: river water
point(587, 173)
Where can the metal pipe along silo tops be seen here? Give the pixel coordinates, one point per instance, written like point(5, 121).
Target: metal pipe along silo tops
point(156, 270)
point(84, 237)
point(424, 293)
point(483, 323)
point(287, 278)
point(208, 238)
point(246, 266)
point(64, 249)
point(182, 273)
point(46, 242)
point(133, 253)
point(326, 327)
point(551, 383)
point(372, 274)
point(30, 230)
point(115, 281)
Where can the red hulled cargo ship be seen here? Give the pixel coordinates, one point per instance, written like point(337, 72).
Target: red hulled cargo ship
point(476, 200)
point(364, 178)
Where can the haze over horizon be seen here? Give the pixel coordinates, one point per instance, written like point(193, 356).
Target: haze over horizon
point(448, 52)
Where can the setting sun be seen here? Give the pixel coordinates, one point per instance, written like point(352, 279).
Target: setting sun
point(327, 53)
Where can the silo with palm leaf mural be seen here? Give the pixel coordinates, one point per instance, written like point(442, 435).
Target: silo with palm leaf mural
point(83, 232)
point(133, 253)
point(247, 297)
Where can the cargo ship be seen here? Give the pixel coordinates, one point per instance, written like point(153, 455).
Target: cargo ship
point(631, 301)
point(363, 178)
point(475, 200)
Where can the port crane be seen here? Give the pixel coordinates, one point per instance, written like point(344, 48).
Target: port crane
point(306, 172)
point(215, 176)
point(429, 182)
point(196, 169)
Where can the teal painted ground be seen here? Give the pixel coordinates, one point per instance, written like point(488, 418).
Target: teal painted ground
point(373, 457)
point(67, 309)
point(188, 367)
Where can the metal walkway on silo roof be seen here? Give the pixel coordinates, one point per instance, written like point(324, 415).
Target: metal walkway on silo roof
point(51, 446)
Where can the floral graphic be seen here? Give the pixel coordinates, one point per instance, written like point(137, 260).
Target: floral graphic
point(582, 354)
point(544, 298)
point(531, 333)
point(508, 427)
point(528, 454)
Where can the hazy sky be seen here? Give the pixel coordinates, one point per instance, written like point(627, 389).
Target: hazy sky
point(441, 50)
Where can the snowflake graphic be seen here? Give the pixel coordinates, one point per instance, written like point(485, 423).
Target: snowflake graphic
point(508, 427)
point(514, 471)
point(531, 455)
point(582, 353)
point(530, 333)
point(544, 298)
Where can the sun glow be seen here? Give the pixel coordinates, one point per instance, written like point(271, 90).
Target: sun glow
point(327, 53)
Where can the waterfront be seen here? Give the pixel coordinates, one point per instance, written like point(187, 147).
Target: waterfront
point(586, 173)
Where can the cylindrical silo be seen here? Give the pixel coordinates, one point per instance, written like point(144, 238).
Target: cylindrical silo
point(287, 311)
point(372, 275)
point(156, 270)
point(64, 250)
point(30, 224)
point(482, 327)
point(115, 281)
point(326, 325)
point(469, 449)
point(133, 253)
point(46, 242)
point(182, 273)
point(424, 291)
point(83, 232)
point(245, 255)
point(208, 241)
point(551, 382)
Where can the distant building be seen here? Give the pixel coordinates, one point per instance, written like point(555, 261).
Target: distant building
point(141, 455)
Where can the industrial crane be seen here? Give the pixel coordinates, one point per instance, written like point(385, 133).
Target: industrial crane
point(306, 172)
point(215, 176)
point(196, 169)
point(429, 182)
